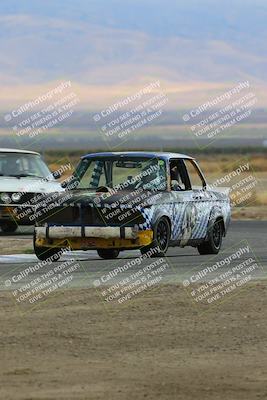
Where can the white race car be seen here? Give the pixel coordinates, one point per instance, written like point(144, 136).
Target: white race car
point(23, 175)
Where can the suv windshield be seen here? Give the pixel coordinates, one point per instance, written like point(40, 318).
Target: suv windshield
point(23, 165)
point(122, 173)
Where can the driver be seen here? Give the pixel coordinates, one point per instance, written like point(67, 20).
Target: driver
point(175, 179)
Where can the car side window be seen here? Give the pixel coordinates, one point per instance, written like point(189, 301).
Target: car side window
point(179, 176)
point(194, 175)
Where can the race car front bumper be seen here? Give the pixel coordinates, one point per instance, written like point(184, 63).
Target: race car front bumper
point(16, 213)
point(89, 238)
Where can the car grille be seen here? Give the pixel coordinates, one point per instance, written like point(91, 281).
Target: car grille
point(90, 215)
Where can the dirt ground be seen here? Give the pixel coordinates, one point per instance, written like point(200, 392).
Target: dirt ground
point(15, 246)
point(158, 346)
point(249, 213)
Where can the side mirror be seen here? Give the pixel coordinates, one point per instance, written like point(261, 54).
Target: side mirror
point(56, 174)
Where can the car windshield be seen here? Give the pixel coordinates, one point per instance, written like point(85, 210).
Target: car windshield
point(122, 173)
point(23, 165)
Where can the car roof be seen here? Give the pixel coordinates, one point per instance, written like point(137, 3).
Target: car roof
point(3, 150)
point(161, 155)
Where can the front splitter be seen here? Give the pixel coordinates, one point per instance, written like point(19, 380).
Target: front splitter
point(144, 238)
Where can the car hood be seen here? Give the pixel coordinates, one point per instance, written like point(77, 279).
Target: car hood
point(92, 208)
point(106, 200)
point(28, 185)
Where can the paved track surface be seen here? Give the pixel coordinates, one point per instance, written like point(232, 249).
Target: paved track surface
point(182, 263)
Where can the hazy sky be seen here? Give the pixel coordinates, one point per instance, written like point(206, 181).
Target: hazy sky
point(120, 42)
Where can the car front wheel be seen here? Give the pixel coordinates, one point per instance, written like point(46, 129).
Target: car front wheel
point(214, 242)
point(160, 244)
point(108, 254)
point(8, 227)
point(45, 253)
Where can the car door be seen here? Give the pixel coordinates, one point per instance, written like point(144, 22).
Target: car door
point(201, 200)
point(191, 201)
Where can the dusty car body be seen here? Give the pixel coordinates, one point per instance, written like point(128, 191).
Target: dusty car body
point(135, 200)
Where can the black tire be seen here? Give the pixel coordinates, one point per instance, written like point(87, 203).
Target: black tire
point(214, 242)
point(44, 253)
point(160, 244)
point(9, 227)
point(108, 254)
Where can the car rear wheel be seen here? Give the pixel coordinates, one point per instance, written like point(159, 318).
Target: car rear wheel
point(160, 244)
point(9, 227)
point(214, 242)
point(108, 254)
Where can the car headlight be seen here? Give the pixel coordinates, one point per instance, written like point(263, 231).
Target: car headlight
point(5, 198)
point(16, 196)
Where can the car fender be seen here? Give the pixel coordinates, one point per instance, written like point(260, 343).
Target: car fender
point(219, 212)
point(152, 214)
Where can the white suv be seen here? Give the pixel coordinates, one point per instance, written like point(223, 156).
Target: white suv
point(23, 175)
